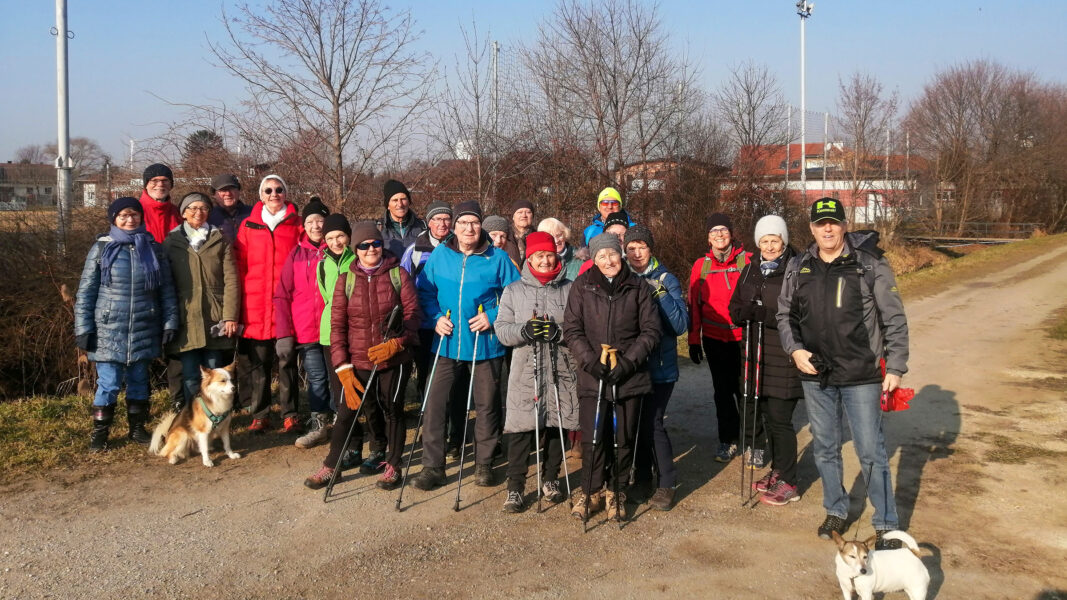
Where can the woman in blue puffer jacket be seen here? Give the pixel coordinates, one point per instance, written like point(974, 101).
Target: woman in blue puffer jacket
point(125, 311)
point(653, 441)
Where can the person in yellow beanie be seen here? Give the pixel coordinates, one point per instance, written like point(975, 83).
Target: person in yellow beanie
point(609, 200)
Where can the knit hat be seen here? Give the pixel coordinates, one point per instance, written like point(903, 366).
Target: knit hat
point(438, 207)
point(638, 233)
point(470, 207)
point(314, 207)
point(538, 241)
point(495, 223)
point(827, 208)
point(718, 220)
point(516, 205)
point(263, 182)
point(772, 225)
point(609, 193)
point(602, 241)
point(394, 187)
point(337, 222)
point(192, 197)
point(121, 204)
point(365, 230)
point(157, 170)
point(223, 181)
point(617, 218)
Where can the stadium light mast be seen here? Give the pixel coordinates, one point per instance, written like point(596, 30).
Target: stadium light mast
point(64, 185)
point(804, 9)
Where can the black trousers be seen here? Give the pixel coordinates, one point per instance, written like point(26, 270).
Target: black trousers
point(520, 446)
point(487, 423)
point(653, 444)
point(261, 355)
point(383, 401)
point(779, 414)
point(598, 461)
point(724, 360)
point(373, 426)
point(175, 381)
point(423, 365)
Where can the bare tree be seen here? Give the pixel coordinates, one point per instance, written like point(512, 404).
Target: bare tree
point(33, 154)
point(866, 113)
point(86, 155)
point(347, 68)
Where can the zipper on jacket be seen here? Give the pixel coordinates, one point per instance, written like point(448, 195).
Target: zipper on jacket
point(129, 329)
point(840, 289)
point(459, 309)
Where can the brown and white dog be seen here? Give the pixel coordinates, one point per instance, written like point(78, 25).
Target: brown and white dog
point(867, 572)
point(203, 418)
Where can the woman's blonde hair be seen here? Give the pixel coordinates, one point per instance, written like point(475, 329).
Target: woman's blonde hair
point(552, 225)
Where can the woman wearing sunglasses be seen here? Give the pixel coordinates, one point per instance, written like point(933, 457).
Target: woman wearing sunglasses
point(264, 240)
point(363, 338)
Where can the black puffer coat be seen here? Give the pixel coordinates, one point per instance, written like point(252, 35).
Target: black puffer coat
point(627, 319)
point(756, 299)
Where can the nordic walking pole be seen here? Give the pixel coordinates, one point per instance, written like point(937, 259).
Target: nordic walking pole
point(355, 420)
point(755, 395)
point(615, 407)
point(422, 412)
point(587, 463)
point(637, 438)
point(467, 416)
point(744, 408)
point(537, 420)
point(559, 417)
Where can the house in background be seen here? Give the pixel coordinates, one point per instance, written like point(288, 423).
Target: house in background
point(27, 186)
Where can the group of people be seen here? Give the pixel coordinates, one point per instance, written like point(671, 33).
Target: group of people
point(587, 334)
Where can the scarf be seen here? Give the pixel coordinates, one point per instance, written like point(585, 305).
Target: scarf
point(768, 266)
point(142, 245)
point(272, 220)
point(159, 217)
point(197, 237)
point(653, 264)
point(544, 278)
point(608, 285)
point(368, 271)
point(724, 255)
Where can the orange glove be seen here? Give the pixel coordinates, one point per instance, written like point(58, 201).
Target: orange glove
point(384, 351)
point(353, 389)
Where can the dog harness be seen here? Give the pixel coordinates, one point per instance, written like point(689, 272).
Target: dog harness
point(216, 420)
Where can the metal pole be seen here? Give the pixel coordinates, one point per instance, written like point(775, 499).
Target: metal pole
point(64, 188)
point(825, 148)
point(804, 9)
point(788, 143)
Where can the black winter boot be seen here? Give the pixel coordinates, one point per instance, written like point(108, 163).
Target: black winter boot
point(103, 416)
point(137, 414)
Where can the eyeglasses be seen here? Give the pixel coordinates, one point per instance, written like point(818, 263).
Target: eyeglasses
point(201, 209)
point(468, 224)
point(127, 216)
point(720, 231)
point(269, 191)
point(158, 181)
point(368, 245)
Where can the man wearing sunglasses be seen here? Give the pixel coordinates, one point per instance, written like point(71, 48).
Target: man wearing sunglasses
point(608, 201)
point(400, 226)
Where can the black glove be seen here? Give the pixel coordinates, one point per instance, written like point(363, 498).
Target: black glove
point(86, 342)
point(550, 331)
point(759, 311)
point(530, 331)
point(284, 347)
point(624, 367)
point(597, 370)
point(168, 336)
point(696, 353)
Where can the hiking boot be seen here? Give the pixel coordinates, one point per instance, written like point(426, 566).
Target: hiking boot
point(726, 452)
point(663, 499)
point(259, 426)
point(483, 475)
point(754, 459)
point(316, 433)
point(780, 494)
point(429, 478)
point(596, 502)
point(453, 452)
point(514, 503)
point(374, 463)
point(831, 524)
point(292, 425)
point(320, 479)
point(351, 459)
point(580, 505)
point(137, 415)
point(390, 478)
point(550, 490)
point(103, 416)
point(639, 492)
point(884, 544)
point(616, 505)
point(766, 482)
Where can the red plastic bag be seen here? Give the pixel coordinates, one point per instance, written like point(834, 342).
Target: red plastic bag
point(897, 399)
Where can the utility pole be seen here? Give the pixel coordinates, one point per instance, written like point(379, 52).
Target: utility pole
point(804, 9)
point(64, 164)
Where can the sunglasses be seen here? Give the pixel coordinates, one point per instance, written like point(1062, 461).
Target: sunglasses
point(368, 245)
point(269, 191)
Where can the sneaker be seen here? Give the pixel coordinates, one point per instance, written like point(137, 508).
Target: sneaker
point(320, 479)
point(754, 459)
point(317, 432)
point(483, 475)
point(390, 478)
point(514, 502)
point(550, 490)
point(766, 482)
point(780, 494)
point(883, 544)
point(374, 463)
point(292, 425)
point(726, 452)
point(429, 478)
point(663, 499)
point(259, 426)
point(351, 459)
point(616, 505)
point(831, 524)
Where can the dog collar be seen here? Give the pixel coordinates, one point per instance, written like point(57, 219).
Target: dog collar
point(216, 420)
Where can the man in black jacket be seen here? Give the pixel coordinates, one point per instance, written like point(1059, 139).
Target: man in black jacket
point(839, 315)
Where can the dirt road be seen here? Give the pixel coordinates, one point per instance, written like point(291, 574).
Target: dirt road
point(978, 461)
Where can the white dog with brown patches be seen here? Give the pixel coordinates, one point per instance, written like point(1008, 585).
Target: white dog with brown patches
point(203, 419)
point(865, 572)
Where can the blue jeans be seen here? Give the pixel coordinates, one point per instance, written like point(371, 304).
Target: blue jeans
point(191, 361)
point(109, 378)
point(314, 361)
point(860, 404)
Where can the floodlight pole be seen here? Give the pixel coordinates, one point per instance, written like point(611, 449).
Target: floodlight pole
point(64, 164)
point(804, 9)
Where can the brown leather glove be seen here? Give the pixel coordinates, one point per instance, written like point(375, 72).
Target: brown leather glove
point(353, 389)
point(384, 351)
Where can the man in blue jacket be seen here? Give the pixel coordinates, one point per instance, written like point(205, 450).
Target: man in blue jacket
point(460, 290)
point(608, 201)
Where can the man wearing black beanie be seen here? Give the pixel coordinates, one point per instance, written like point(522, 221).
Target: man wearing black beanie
point(400, 226)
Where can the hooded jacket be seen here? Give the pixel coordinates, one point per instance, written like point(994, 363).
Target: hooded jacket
point(159, 217)
point(556, 369)
point(328, 272)
point(847, 311)
point(709, 298)
point(298, 303)
point(461, 283)
point(674, 320)
point(207, 287)
point(260, 254)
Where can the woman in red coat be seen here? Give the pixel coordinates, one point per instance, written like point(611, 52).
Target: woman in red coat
point(365, 335)
point(264, 241)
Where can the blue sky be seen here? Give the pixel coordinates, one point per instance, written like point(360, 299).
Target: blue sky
point(125, 51)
